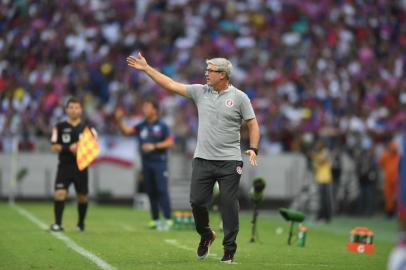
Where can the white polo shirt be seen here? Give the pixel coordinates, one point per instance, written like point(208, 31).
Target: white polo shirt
point(220, 118)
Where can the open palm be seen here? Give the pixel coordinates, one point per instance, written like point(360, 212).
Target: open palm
point(252, 157)
point(138, 63)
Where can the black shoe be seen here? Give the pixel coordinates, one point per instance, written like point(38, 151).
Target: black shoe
point(80, 227)
point(56, 228)
point(203, 249)
point(228, 257)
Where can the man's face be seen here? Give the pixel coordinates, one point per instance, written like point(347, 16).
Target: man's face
point(148, 109)
point(74, 110)
point(213, 75)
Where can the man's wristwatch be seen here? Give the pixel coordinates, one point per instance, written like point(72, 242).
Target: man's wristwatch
point(254, 149)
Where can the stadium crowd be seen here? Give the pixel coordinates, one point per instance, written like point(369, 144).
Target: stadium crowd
point(334, 69)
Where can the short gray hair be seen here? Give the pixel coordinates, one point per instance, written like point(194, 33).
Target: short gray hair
point(222, 64)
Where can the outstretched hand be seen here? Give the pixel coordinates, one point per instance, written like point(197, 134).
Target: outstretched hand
point(252, 156)
point(138, 63)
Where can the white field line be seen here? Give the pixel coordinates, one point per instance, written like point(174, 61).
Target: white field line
point(302, 265)
point(68, 242)
point(127, 227)
point(175, 243)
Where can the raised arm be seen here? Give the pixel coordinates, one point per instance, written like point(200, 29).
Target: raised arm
point(139, 63)
point(119, 118)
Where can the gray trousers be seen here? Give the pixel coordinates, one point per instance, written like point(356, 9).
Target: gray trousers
point(204, 175)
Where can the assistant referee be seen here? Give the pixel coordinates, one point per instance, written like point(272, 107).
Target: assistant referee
point(65, 136)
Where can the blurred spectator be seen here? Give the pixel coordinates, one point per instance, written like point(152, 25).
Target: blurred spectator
point(367, 172)
point(336, 168)
point(330, 68)
point(402, 187)
point(389, 161)
point(398, 254)
point(323, 176)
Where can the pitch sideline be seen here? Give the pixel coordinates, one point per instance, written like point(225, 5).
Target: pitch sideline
point(68, 242)
point(175, 243)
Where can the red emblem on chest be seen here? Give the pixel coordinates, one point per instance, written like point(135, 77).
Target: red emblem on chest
point(229, 103)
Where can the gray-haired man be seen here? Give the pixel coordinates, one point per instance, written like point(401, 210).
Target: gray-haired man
point(221, 109)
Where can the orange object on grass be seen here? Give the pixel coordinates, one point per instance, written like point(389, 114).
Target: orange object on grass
point(361, 241)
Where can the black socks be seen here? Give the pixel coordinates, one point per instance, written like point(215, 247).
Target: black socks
point(82, 209)
point(58, 211)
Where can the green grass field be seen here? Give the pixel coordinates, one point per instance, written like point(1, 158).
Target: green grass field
point(118, 235)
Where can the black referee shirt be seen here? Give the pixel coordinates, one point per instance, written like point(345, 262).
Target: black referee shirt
point(66, 134)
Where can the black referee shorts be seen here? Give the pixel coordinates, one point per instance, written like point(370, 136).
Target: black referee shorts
point(69, 173)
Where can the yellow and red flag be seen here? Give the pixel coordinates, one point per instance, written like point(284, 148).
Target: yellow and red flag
point(88, 149)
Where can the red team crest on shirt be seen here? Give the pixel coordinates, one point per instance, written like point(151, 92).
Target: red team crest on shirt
point(229, 103)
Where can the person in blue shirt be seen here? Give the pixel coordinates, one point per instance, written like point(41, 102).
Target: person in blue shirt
point(397, 257)
point(154, 141)
point(402, 189)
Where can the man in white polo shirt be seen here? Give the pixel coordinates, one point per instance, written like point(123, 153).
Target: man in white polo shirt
point(221, 110)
